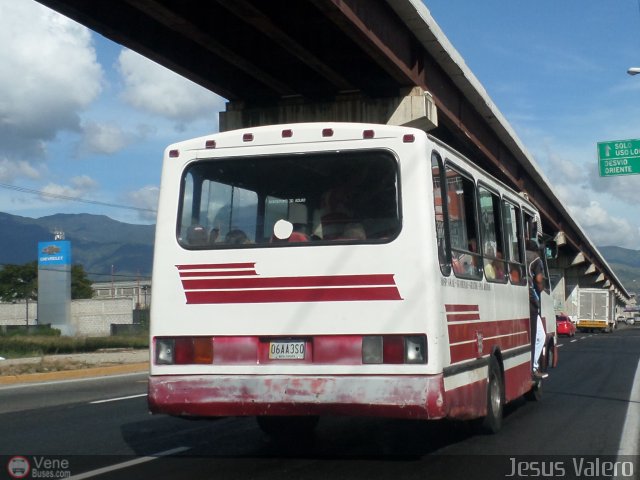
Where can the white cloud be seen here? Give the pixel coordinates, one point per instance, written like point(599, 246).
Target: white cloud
point(9, 170)
point(605, 229)
point(104, 138)
point(80, 186)
point(145, 197)
point(49, 75)
point(152, 88)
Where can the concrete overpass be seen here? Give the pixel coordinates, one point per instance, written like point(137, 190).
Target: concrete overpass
point(382, 61)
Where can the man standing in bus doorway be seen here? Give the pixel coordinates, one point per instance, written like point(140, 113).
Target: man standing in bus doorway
point(536, 285)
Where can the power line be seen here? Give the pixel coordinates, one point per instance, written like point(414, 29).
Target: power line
point(73, 199)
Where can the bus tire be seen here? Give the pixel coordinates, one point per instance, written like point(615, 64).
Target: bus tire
point(549, 359)
point(294, 427)
point(535, 394)
point(492, 422)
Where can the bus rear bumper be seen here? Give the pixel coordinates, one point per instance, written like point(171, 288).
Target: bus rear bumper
point(220, 395)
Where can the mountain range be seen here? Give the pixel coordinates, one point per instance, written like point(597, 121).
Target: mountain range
point(626, 265)
point(99, 242)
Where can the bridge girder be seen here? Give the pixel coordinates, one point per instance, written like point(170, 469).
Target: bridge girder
point(257, 54)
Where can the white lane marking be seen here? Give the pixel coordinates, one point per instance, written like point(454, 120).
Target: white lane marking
point(630, 439)
point(95, 402)
point(560, 345)
point(573, 341)
point(130, 463)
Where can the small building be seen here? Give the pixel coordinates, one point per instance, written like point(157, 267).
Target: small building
point(138, 290)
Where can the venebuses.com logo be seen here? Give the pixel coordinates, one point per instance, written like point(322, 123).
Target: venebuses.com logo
point(38, 467)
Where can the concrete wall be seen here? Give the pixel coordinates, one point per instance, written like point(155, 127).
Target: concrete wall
point(93, 318)
point(90, 318)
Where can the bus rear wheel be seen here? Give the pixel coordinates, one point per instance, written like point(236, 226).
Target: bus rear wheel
point(492, 422)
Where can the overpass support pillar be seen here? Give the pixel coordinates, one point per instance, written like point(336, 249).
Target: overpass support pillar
point(414, 108)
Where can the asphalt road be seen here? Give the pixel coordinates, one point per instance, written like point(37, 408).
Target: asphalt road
point(578, 423)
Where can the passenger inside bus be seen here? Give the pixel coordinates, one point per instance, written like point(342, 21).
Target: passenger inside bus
point(197, 235)
point(236, 237)
point(298, 217)
point(354, 231)
point(213, 235)
point(466, 263)
point(494, 265)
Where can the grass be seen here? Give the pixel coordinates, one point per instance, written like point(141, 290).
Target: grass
point(46, 366)
point(20, 346)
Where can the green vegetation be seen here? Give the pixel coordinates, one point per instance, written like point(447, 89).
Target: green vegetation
point(20, 282)
point(17, 346)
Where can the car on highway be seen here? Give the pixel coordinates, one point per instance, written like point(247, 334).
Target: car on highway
point(564, 326)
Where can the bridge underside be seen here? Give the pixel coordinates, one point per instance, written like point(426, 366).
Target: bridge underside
point(381, 61)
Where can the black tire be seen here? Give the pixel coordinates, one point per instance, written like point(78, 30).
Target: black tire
point(547, 361)
point(294, 427)
point(492, 422)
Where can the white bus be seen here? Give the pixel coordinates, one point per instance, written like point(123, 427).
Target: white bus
point(338, 269)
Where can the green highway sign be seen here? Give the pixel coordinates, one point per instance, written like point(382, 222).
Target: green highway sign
point(619, 157)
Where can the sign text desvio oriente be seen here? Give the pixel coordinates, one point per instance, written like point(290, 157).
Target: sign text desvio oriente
point(619, 157)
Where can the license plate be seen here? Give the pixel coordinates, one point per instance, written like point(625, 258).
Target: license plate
point(286, 350)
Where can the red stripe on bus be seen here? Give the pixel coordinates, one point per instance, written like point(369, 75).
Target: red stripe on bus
point(289, 282)
point(462, 352)
point(467, 401)
point(297, 295)
point(228, 273)
point(517, 380)
point(469, 351)
point(468, 331)
point(209, 266)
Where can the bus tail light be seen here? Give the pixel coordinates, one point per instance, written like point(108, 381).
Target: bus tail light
point(184, 351)
point(394, 349)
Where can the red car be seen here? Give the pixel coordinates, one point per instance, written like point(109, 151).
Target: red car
point(564, 326)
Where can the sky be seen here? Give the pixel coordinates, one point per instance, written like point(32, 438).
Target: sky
point(81, 116)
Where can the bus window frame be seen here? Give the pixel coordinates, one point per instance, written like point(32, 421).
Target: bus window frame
point(499, 235)
point(445, 266)
point(261, 198)
point(478, 275)
point(522, 260)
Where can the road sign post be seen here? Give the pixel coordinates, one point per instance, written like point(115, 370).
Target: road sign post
point(619, 157)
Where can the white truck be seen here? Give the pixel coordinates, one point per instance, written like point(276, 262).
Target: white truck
point(595, 310)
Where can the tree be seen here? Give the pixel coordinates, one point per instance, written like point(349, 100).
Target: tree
point(81, 286)
point(19, 282)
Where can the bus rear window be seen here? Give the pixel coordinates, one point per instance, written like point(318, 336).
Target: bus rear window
point(328, 197)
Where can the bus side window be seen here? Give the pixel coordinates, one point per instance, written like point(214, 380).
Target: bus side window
point(514, 249)
point(461, 217)
point(491, 229)
point(439, 207)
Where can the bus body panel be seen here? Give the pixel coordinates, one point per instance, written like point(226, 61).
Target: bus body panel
point(329, 298)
